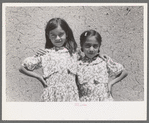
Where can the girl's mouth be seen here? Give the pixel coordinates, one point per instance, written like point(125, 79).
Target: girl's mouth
point(58, 41)
point(91, 53)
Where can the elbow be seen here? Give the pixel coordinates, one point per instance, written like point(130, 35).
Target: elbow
point(125, 73)
point(20, 69)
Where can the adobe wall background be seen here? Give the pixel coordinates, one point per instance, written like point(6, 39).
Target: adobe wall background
point(121, 28)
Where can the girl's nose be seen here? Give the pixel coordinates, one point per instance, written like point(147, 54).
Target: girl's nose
point(91, 48)
point(57, 37)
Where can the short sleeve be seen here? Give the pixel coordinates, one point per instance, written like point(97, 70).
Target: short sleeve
point(114, 68)
point(32, 63)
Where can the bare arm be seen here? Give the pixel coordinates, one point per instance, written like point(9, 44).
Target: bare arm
point(118, 78)
point(34, 75)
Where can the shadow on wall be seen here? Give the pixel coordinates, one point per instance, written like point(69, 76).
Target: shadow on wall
point(121, 28)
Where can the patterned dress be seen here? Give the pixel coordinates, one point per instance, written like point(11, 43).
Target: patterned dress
point(59, 69)
point(93, 75)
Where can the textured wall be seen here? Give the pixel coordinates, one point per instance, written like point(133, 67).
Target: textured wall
point(121, 28)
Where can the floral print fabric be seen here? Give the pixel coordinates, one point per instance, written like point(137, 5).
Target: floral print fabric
point(92, 77)
point(59, 69)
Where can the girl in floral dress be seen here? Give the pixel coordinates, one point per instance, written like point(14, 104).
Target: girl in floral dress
point(58, 63)
point(94, 70)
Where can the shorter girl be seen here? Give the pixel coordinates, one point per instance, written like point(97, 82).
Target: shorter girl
point(94, 70)
point(58, 63)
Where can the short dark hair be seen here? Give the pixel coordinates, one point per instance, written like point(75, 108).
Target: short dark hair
point(88, 33)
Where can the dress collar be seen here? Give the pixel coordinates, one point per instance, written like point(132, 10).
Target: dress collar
point(89, 60)
point(58, 48)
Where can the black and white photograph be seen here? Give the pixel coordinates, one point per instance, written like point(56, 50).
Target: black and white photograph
point(74, 61)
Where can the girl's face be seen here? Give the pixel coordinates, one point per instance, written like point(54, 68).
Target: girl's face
point(57, 36)
point(91, 47)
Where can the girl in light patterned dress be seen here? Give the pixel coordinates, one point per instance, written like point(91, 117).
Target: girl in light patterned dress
point(94, 70)
point(58, 63)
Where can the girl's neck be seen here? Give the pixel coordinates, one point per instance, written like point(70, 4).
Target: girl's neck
point(87, 59)
point(58, 48)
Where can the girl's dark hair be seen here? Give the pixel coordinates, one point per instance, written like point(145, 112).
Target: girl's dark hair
point(70, 43)
point(87, 34)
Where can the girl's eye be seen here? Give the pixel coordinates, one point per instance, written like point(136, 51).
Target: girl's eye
point(87, 45)
point(61, 34)
point(95, 46)
point(53, 36)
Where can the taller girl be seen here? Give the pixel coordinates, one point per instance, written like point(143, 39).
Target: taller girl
point(58, 63)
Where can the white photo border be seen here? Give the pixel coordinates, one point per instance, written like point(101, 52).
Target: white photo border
point(73, 111)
